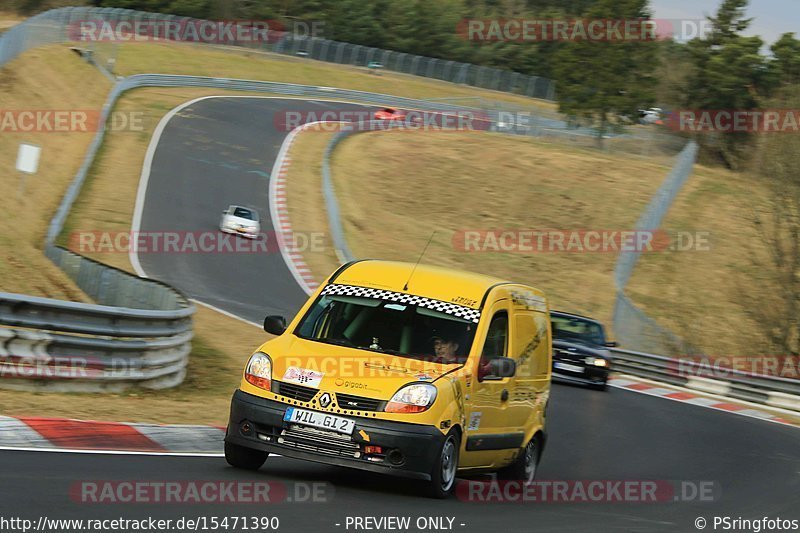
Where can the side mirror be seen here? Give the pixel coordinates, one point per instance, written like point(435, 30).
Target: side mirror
point(611, 344)
point(503, 367)
point(275, 324)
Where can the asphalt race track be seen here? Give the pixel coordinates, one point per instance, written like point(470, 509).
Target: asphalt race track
point(618, 435)
point(220, 151)
point(214, 153)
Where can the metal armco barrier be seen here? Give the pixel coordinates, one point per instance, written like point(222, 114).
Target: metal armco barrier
point(72, 346)
point(768, 390)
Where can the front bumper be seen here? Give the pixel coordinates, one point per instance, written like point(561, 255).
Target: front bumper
point(240, 232)
point(417, 444)
point(591, 375)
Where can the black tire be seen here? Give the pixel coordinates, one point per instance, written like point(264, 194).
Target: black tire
point(602, 386)
point(525, 465)
point(443, 475)
point(244, 458)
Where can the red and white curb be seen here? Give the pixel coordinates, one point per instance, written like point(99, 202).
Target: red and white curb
point(63, 434)
point(682, 395)
point(38, 433)
point(279, 211)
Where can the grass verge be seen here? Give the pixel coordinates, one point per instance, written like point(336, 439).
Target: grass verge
point(233, 62)
point(450, 182)
point(44, 79)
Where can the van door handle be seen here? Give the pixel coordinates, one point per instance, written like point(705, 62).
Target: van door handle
point(504, 395)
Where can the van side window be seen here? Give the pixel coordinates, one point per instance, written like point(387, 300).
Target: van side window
point(496, 344)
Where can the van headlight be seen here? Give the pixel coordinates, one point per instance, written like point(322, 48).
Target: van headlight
point(414, 398)
point(258, 371)
point(596, 361)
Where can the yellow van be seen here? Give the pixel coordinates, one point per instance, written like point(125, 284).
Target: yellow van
point(411, 370)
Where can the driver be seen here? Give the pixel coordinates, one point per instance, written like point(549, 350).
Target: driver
point(445, 349)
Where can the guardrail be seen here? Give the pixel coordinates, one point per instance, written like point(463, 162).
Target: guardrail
point(73, 346)
point(768, 390)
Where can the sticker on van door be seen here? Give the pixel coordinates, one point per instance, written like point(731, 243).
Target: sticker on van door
point(474, 421)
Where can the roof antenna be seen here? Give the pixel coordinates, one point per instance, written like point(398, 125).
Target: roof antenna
point(405, 287)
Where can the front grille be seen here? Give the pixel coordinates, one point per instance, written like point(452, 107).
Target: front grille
point(568, 356)
point(295, 392)
point(319, 441)
point(358, 403)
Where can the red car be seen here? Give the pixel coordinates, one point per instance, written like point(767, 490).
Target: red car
point(390, 113)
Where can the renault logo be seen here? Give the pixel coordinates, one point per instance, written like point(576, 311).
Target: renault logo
point(325, 400)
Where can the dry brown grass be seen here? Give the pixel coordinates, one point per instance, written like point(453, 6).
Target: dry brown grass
point(395, 188)
point(9, 19)
point(707, 295)
point(45, 79)
point(198, 60)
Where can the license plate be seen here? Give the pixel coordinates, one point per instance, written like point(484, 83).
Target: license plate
point(319, 420)
point(568, 367)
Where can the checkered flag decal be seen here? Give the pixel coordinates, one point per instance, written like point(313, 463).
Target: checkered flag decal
point(460, 311)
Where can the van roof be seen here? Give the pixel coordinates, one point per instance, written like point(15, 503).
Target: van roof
point(440, 283)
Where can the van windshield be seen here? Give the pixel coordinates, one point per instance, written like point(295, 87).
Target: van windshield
point(385, 326)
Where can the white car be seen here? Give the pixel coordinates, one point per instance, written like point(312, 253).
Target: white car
point(240, 221)
point(651, 116)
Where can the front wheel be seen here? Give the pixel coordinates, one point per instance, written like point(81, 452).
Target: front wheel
point(244, 458)
point(524, 467)
point(443, 476)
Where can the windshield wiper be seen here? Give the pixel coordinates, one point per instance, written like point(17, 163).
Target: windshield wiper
point(350, 344)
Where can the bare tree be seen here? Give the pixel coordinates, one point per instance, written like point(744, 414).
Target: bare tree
point(778, 224)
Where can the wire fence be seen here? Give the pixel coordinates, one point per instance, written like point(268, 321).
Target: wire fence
point(632, 327)
point(59, 25)
point(428, 67)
